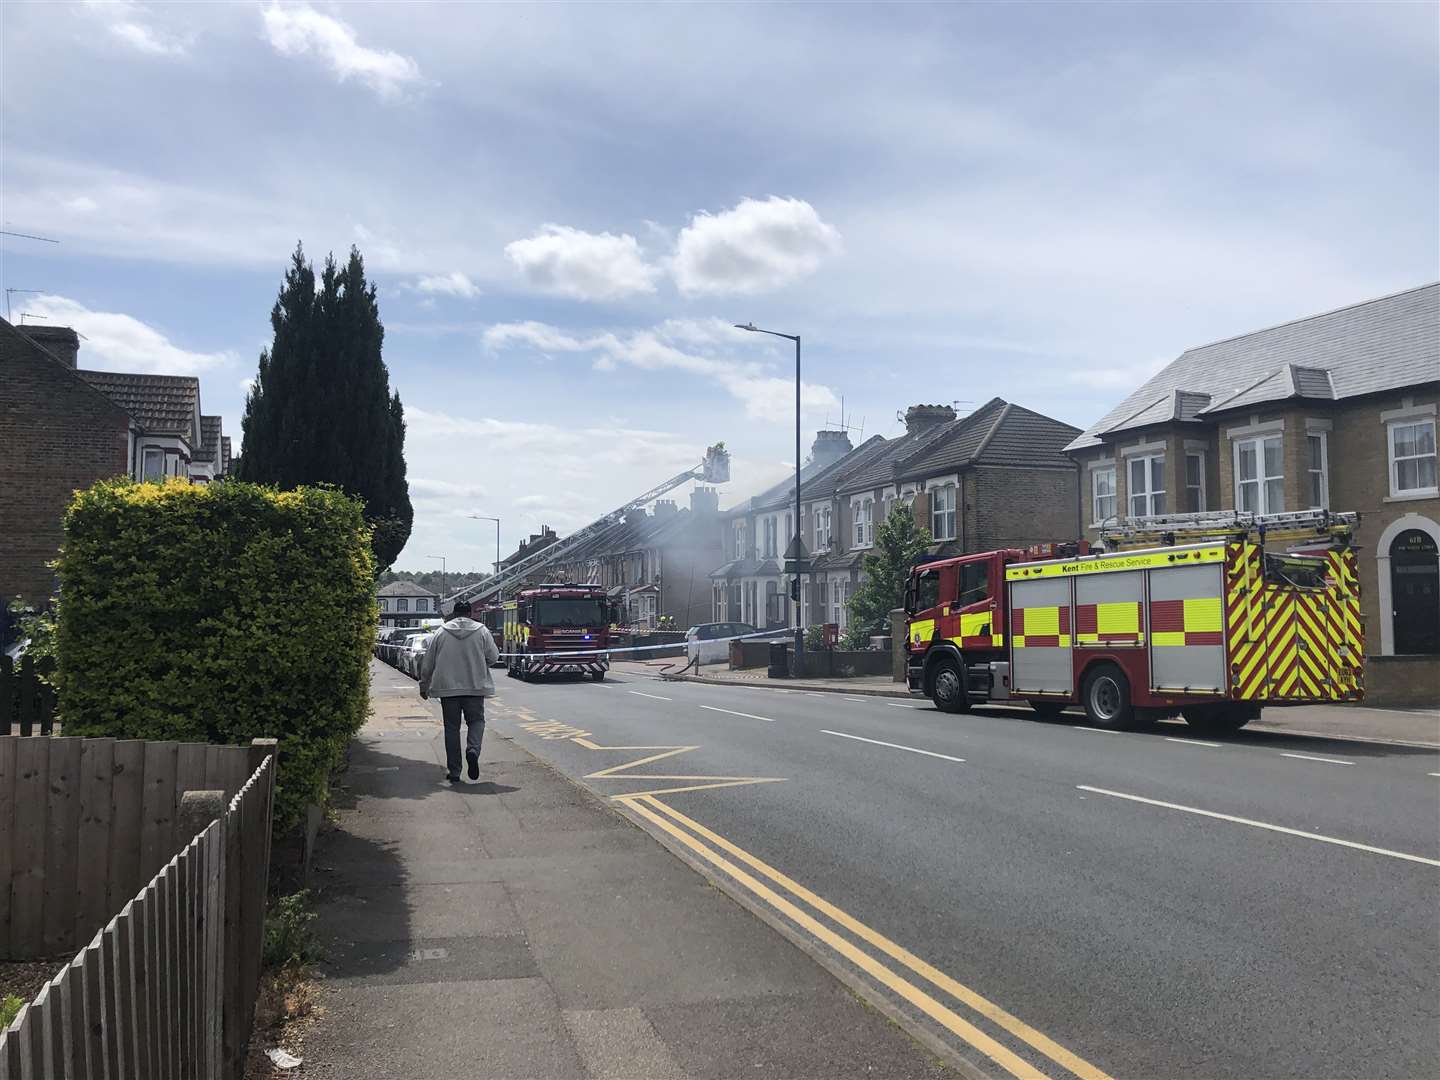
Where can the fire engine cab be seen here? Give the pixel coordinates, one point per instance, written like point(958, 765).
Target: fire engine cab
point(557, 628)
point(1207, 622)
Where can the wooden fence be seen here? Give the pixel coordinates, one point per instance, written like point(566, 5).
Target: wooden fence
point(166, 989)
point(85, 822)
point(27, 705)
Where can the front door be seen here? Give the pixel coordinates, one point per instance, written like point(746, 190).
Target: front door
point(1415, 592)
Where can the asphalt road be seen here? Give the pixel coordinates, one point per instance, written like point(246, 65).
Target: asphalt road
point(1040, 896)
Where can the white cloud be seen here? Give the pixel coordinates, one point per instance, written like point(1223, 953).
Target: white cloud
point(1115, 376)
point(115, 342)
point(128, 22)
point(707, 348)
point(437, 490)
point(583, 266)
point(757, 246)
point(300, 30)
point(451, 284)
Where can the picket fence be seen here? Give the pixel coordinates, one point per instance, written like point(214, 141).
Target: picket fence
point(166, 988)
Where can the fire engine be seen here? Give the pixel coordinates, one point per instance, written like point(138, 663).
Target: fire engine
point(1200, 619)
point(557, 628)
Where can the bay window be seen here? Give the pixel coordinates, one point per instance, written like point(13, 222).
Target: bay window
point(1412, 458)
point(1259, 475)
point(1147, 485)
point(153, 464)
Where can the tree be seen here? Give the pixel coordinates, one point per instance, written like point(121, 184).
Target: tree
point(898, 541)
point(321, 410)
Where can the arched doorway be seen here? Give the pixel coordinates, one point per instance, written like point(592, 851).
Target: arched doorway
point(1415, 592)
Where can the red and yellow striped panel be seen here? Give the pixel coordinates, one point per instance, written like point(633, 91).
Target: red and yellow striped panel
point(1186, 622)
point(1122, 622)
point(1040, 627)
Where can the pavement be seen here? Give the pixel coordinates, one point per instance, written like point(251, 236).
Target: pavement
point(1042, 898)
point(522, 927)
point(1407, 726)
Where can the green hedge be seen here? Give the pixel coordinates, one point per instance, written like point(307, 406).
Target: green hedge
point(218, 613)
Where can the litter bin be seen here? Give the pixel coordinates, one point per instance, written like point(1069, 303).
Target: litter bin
point(779, 660)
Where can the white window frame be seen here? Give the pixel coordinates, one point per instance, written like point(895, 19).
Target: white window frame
point(1323, 471)
point(403, 605)
point(822, 528)
point(1097, 518)
point(950, 511)
point(145, 454)
point(384, 603)
point(864, 521)
point(1396, 491)
point(1204, 495)
point(1261, 479)
point(1147, 496)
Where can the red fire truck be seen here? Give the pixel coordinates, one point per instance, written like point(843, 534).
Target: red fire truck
point(1207, 623)
point(557, 628)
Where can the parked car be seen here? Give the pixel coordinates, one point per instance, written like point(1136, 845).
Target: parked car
point(708, 642)
point(411, 652)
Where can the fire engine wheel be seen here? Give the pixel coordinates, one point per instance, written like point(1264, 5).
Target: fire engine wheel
point(1218, 719)
point(947, 687)
point(598, 676)
point(1106, 696)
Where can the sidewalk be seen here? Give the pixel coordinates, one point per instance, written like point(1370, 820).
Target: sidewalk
point(521, 928)
point(1330, 721)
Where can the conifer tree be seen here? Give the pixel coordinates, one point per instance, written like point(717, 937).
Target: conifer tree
point(898, 541)
point(321, 409)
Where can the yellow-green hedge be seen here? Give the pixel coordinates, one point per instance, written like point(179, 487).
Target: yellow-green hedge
point(218, 613)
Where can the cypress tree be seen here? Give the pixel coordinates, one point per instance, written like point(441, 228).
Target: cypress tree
point(321, 409)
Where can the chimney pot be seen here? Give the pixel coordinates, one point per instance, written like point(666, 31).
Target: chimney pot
point(921, 418)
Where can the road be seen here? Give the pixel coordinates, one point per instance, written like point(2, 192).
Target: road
point(1040, 897)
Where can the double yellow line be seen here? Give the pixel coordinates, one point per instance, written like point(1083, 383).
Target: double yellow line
point(703, 842)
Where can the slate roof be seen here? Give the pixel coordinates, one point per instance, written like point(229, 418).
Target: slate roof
point(163, 404)
point(404, 588)
point(1382, 344)
point(209, 440)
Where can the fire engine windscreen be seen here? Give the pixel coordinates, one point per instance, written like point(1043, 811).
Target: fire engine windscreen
point(569, 613)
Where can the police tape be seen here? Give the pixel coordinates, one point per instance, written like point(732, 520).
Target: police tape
point(608, 652)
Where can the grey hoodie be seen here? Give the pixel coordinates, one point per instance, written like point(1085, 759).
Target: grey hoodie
point(457, 661)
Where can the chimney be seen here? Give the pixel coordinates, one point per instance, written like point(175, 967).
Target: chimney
point(830, 447)
point(665, 507)
point(637, 514)
point(921, 418)
point(60, 341)
point(704, 500)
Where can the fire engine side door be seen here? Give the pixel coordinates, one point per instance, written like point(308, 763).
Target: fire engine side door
point(974, 609)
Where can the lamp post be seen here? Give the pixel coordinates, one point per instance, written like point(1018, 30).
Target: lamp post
point(442, 580)
point(799, 533)
point(482, 517)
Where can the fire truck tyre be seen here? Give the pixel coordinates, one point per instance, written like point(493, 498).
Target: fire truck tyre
point(1048, 708)
point(1218, 719)
point(598, 676)
point(1106, 696)
point(947, 686)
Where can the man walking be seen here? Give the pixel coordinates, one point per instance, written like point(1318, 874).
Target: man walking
point(456, 669)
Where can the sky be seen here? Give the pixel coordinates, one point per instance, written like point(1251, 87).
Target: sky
point(566, 207)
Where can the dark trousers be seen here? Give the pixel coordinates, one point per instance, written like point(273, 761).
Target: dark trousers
point(473, 709)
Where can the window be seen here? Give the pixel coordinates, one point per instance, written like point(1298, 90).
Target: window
point(974, 583)
point(740, 540)
point(836, 596)
point(1318, 467)
point(942, 512)
point(384, 604)
point(864, 528)
point(1412, 458)
point(1259, 475)
point(926, 591)
point(771, 526)
point(153, 467)
point(1147, 485)
point(402, 604)
point(1195, 481)
point(1102, 494)
point(422, 603)
point(822, 528)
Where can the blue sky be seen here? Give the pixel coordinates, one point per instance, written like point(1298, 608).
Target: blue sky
point(566, 206)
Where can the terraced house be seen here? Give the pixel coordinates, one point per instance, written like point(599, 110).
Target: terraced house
point(994, 478)
point(1333, 411)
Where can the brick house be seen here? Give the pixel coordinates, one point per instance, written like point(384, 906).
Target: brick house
point(403, 603)
point(994, 478)
point(171, 441)
point(59, 434)
point(654, 565)
point(1337, 411)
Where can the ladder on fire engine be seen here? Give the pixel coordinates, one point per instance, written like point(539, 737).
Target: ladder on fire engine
point(714, 469)
point(1301, 526)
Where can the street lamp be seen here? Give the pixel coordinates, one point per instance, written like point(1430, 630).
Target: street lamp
point(482, 517)
point(442, 580)
point(799, 533)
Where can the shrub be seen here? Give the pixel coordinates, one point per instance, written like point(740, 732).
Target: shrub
point(10, 1006)
point(814, 637)
point(289, 936)
point(218, 613)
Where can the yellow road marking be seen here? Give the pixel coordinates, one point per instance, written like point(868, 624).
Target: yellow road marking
point(670, 751)
point(951, 1020)
point(955, 989)
point(723, 782)
point(621, 771)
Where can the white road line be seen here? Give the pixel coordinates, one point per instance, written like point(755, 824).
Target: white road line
point(1312, 757)
point(1101, 730)
point(891, 745)
point(1435, 774)
point(1192, 742)
point(864, 700)
point(900, 705)
point(732, 712)
point(1263, 825)
point(653, 697)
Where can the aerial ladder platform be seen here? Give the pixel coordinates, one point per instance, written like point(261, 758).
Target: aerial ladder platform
point(1304, 527)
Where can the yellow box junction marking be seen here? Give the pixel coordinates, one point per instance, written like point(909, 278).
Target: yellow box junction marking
point(622, 771)
point(1105, 564)
point(647, 806)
